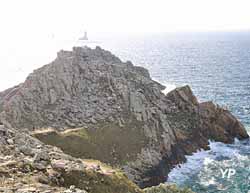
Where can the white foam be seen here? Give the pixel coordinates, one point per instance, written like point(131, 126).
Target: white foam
point(248, 129)
point(200, 160)
point(209, 182)
point(169, 87)
point(192, 166)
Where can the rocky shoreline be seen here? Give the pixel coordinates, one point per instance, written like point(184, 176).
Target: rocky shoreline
point(29, 166)
point(104, 109)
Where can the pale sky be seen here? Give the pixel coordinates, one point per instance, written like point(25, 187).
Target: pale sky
point(32, 30)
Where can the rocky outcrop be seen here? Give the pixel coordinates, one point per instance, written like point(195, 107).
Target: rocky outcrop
point(28, 165)
point(166, 188)
point(125, 117)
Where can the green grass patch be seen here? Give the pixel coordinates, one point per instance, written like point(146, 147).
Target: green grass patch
point(108, 142)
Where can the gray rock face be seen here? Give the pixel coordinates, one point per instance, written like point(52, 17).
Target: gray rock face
point(80, 87)
point(88, 87)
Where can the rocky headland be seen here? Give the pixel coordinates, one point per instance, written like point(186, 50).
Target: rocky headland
point(89, 105)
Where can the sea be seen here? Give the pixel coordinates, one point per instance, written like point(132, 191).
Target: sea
point(217, 67)
point(215, 64)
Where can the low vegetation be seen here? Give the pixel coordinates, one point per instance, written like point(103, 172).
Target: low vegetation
point(110, 143)
point(166, 188)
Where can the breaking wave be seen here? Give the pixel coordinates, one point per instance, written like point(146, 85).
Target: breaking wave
point(204, 170)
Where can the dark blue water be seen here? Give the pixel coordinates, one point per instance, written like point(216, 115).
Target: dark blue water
point(217, 67)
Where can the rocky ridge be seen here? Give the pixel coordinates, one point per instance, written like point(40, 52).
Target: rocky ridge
point(29, 166)
point(118, 105)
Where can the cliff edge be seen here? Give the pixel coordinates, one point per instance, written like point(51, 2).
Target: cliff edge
point(118, 114)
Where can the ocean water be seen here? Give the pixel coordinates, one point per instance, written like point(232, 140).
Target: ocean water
point(217, 67)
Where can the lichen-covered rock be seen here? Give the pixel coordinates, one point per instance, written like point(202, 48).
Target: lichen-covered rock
point(166, 188)
point(127, 120)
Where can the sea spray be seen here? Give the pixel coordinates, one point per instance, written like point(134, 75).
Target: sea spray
point(224, 168)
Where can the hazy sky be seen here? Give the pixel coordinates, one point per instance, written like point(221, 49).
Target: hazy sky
point(31, 30)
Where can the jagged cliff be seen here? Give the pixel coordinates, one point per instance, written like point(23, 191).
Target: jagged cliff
point(123, 117)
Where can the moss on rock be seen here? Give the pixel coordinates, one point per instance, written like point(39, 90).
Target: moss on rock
point(95, 182)
point(110, 143)
point(166, 188)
